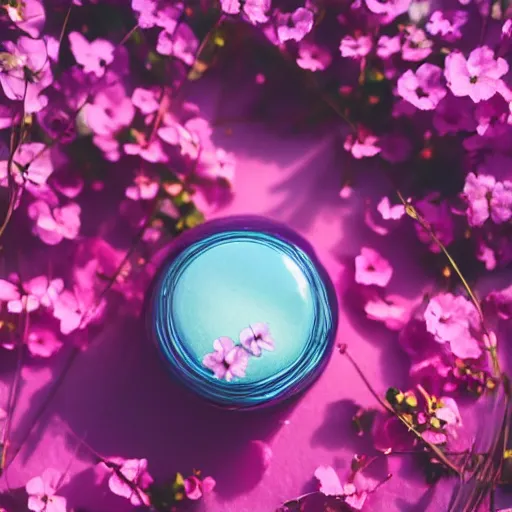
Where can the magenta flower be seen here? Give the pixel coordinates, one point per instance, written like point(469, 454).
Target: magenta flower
point(450, 319)
point(92, 56)
point(439, 216)
point(487, 198)
point(157, 13)
point(227, 360)
point(28, 57)
point(9, 291)
point(255, 10)
point(313, 57)
point(453, 115)
point(447, 24)
point(136, 480)
point(388, 9)
point(257, 337)
point(182, 44)
point(38, 291)
point(52, 225)
point(195, 488)
point(500, 300)
point(42, 342)
point(416, 46)
point(355, 47)
point(372, 268)
point(41, 492)
point(478, 77)
point(423, 89)
point(294, 26)
point(151, 152)
point(217, 164)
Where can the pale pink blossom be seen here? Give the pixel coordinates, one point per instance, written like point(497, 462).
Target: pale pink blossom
point(52, 225)
point(42, 490)
point(372, 268)
point(227, 361)
point(134, 481)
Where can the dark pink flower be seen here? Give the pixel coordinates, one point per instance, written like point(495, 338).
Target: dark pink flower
point(487, 198)
point(157, 13)
point(294, 26)
point(422, 88)
point(440, 219)
point(42, 342)
point(182, 44)
point(447, 24)
point(257, 338)
point(38, 291)
point(478, 77)
point(355, 47)
point(9, 291)
point(227, 360)
point(388, 9)
point(41, 492)
point(313, 57)
point(451, 319)
point(501, 300)
point(196, 488)
point(52, 225)
point(372, 268)
point(416, 46)
point(453, 115)
point(92, 56)
point(395, 147)
point(135, 472)
point(151, 152)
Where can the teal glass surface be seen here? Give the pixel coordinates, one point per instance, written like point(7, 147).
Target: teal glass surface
point(226, 276)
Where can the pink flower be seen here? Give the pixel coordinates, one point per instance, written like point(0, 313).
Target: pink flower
point(453, 115)
point(450, 319)
point(255, 10)
point(42, 342)
point(355, 47)
point(423, 89)
point(195, 488)
point(372, 268)
point(389, 212)
point(28, 15)
point(151, 152)
point(447, 24)
point(354, 492)
point(8, 291)
point(52, 225)
point(145, 100)
point(217, 164)
point(365, 145)
point(41, 492)
point(388, 46)
point(228, 360)
point(93, 56)
point(38, 291)
point(478, 77)
point(28, 57)
point(313, 57)
point(393, 311)
point(487, 198)
point(134, 481)
point(388, 9)
point(31, 164)
point(449, 412)
point(182, 44)
point(257, 337)
point(144, 188)
point(416, 46)
point(294, 26)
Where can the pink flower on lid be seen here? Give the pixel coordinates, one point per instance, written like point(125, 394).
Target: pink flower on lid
point(227, 361)
point(256, 338)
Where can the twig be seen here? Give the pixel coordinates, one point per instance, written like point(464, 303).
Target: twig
point(65, 24)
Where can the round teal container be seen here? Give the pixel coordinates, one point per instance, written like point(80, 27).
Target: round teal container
point(242, 312)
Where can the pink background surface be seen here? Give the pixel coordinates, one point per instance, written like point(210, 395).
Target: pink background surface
point(118, 397)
